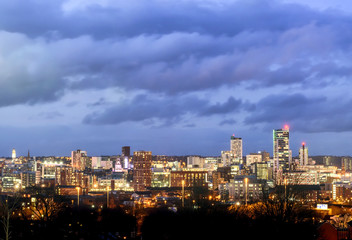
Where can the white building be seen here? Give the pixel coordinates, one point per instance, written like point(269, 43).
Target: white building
point(236, 149)
point(226, 157)
point(101, 163)
point(195, 162)
point(253, 158)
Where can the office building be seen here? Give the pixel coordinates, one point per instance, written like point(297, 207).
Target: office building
point(191, 178)
point(245, 189)
point(63, 175)
point(221, 176)
point(262, 170)
point(195, 162)
point(160, 179)
point(303, 155)
point(253, 158)
point(281, 148)
point(28, 178)
point(346, 163)
point(226, 157)
point(236, 149)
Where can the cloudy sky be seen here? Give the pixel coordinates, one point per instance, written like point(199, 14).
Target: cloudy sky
point(174, 77)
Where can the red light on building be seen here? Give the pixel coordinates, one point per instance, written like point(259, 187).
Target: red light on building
point(286, 127)
point(303, 143)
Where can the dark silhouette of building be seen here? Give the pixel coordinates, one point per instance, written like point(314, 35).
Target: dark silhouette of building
point(126, 151)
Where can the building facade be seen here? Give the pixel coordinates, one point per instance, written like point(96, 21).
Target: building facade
point(79, 160)
point(191, 178)
point(253, 158)
point(281, 148)
point(142, 170)
point(236, 149)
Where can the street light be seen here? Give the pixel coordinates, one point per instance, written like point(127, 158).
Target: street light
point(78, 188)
point(285, 183)
point(107, 196)
point(246, 187)
point(183, 193)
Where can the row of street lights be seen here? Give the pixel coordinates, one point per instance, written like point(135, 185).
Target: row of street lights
point(183, 193)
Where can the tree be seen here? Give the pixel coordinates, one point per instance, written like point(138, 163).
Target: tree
point(44, 205)
point(7, 206)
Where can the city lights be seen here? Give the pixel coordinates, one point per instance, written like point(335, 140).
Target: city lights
point(142, 181)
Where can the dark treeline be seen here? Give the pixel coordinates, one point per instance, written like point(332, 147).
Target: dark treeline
point(51, 217)
point(221, 224)
point(163, 224)
point(54, 218)
point(74, 223)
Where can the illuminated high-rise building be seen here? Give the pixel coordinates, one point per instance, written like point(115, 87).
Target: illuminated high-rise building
point(79, 159)
point(281, 148)
point(303, 155)
point(236, 149)
point(13, 153)
point(142, 170)
point(63, 175)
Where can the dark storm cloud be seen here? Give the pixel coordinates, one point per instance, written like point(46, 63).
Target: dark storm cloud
point(307, 114)
point(135, 17)
point(165, 109)
point(166, 47)
point(229, 106)
point(228, 122)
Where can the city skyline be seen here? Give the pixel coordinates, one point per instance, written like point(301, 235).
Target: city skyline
point(235, 148)
point(174, 77)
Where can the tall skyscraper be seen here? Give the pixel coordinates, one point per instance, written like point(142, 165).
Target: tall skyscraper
point(281, 148)
point(303, 155)
point(79, 160)
point(236, 149)
point(142, 170)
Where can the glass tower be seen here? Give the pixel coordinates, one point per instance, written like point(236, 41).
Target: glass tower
point(281, 148)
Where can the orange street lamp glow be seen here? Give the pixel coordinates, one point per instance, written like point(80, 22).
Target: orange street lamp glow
point(78, 188)
point(246, 187)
